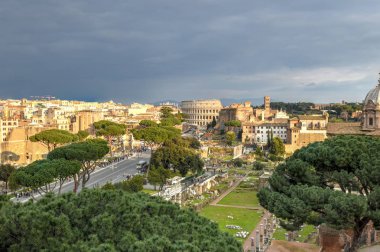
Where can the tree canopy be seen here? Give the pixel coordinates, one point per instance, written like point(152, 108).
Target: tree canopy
point(156, 136)
point(238, 162)
point(109, 130)
point(259, 152)
point(277, 147)
point(171, 121)
point(193, 142)
point(213, 123)
point(148, 123)
point(158, 176)
point(230, 137)
point(187, 142)
point(166, 112)
point(53, 138)
point(5, 172)
point(178, 158)
point(348, 107)
point(233, 123)
point(302, 189)
point(87, 153)
point(108, 220)
point(41, 174)
point(298, 108)
point(82, 135)
point(134, 184)
point(174, 152)
point(168, 118)
point(258, 166)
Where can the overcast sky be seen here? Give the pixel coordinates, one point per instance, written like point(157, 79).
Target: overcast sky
point(152, 50)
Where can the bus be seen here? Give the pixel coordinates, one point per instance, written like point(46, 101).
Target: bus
point(142, 166)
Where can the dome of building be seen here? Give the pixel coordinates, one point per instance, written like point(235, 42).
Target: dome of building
point(371, 109)
point(373, 95)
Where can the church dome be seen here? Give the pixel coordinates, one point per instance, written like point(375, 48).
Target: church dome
point(371, 110)
point(373, 95)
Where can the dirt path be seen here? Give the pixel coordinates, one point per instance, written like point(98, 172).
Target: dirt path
point(215, 201)
point(284, 246)
point(374, 248)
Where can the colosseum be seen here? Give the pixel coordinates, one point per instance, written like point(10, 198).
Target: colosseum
point(201, 112)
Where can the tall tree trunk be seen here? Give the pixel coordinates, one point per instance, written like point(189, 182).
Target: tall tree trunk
point(358, 230)
point(86, 177)
point(355, 242)
point(84, 180)
point(60, 185)
point(110, 143)
point(76, 183)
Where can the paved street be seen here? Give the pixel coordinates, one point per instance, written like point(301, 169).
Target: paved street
point(113, 173)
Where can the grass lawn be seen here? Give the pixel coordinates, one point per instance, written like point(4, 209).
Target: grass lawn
point(306, 230)
point(222, 186)
point(245, 218)
point(241, 198)
point(205, 197)
point(252, 177)
point(149, 191)
point(279, 234)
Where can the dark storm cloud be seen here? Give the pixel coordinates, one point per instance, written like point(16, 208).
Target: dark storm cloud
point(149, 50)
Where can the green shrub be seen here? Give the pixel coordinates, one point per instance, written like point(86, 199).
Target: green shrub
point(108, 220)
point(238, 162)
point(258, 166)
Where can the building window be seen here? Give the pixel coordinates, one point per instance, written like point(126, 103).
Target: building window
point(370, 121)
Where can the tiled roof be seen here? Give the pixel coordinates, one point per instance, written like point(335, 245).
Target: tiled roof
point(348, 129)
point(310, 117)
point(265, 124)
point(280, 120)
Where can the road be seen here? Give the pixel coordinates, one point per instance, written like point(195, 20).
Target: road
point(113, 173)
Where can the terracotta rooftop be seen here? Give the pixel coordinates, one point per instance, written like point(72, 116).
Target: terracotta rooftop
point(349, 129)
point(310, 117)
